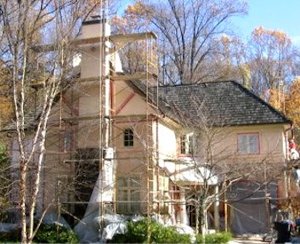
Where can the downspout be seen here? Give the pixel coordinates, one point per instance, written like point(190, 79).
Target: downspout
point(285, 175)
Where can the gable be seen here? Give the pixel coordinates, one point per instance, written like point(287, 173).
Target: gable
point(128, 100)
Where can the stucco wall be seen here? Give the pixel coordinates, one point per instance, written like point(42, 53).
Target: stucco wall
point(166, 141)
point(272, 144)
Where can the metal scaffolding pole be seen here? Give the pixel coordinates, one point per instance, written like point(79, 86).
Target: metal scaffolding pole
point(104, 107)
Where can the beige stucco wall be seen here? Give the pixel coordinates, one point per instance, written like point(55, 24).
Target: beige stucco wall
point(93, 30)
point(54, 167)
point(90, 53)
point(127, 101)
point(272, 142)
point(90, 62)
point(88, 110)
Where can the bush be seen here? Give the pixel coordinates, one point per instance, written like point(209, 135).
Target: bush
point(53, 233)
point(47, 233)
point(221, 237)
point(12, 236)
point(137, 233)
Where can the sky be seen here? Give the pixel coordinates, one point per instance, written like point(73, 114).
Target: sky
point(283, 15)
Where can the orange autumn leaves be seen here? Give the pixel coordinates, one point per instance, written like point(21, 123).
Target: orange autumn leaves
point(287, 101)
point(292, 104)
point(6, 106)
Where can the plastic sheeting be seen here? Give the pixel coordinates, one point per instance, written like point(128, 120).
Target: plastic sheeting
point(88, 228)
point(249, 207)
point(249, 218)
point(113, 224)
point(52, 218)
point(185, 229)
point(188, 171)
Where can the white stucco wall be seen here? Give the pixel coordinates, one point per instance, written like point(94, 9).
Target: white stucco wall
point(166, 141)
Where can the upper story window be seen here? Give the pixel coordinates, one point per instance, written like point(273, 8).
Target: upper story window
point(187, 144)
point(128, 138)
point(248, 143)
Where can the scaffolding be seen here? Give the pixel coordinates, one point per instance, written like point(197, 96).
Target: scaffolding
point(79, 124)
point(107, 159)
point(106, 106)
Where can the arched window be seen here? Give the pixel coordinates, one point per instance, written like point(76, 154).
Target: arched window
point(128, 137)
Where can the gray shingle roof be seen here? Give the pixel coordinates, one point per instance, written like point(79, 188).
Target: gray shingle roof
point(220, 103)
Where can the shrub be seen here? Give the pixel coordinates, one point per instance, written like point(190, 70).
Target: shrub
point(221, 237)
point(12, 236)
point(52, 233)
point(47, 233)
point(137, 233)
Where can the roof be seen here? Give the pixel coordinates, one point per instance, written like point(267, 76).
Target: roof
point(219, 103)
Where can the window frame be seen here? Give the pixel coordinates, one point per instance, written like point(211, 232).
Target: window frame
point(68, 141)
point(126, 201)
point(128, 137)
point(187, 144)
point(248, 150)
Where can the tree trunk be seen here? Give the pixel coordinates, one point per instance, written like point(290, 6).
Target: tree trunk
point(203, 221)
point(22, 195)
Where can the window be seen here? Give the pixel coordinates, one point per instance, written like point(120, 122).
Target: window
point(248, 143)
point(187, 144)
point(67, 141)
point(64, 188)
point(128, 195)
point(128, 138)
point(65, 194)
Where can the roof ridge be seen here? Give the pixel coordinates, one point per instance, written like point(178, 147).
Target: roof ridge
point(195, 84)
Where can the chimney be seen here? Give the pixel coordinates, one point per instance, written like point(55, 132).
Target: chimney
point(92, 27)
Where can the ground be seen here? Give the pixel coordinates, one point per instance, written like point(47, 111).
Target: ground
point(240, 241)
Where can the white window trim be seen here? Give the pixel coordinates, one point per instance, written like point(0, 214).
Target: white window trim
point(188, 141)
point(248, 150)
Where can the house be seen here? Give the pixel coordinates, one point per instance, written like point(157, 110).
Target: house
point(129, 146)
point(244, 132)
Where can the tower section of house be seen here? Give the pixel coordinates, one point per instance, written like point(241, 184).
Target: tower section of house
point(116, 122)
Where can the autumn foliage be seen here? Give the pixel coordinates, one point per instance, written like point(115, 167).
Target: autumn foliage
point(6, 107)
point(292, 106)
